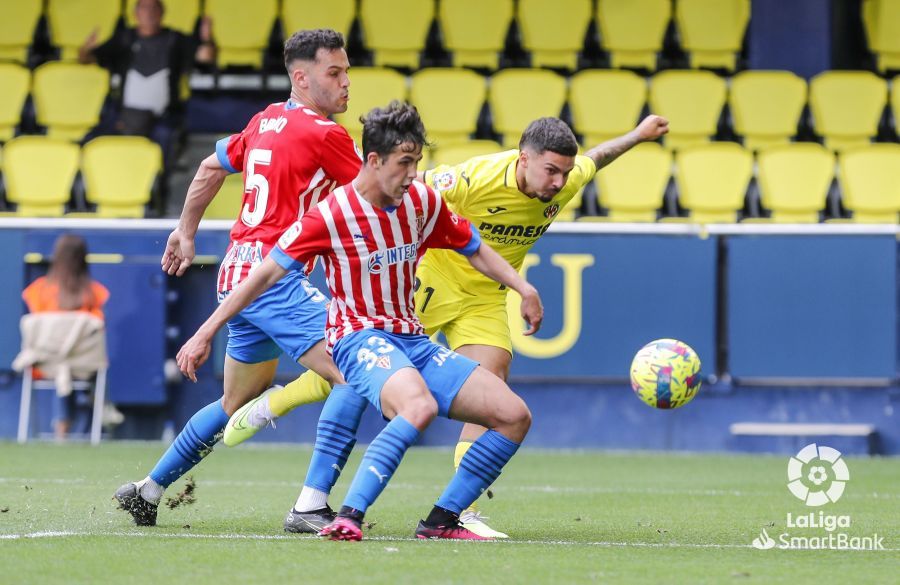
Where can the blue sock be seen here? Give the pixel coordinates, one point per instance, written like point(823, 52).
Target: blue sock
point(379, 463)
point(479, 468)
point(335, 437)
point(192, 444)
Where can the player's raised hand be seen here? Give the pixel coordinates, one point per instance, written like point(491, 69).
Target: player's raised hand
point(532, 312)
point(192, 354)
point(179, 253)
point(652, 127)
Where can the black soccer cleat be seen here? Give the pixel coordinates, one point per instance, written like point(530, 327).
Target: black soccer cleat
point(308, 522)
point(130, 500)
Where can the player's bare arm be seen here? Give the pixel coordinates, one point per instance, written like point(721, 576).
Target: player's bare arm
point(651, 128)
point(488, 262)
point(196, 350)
point(179, 253)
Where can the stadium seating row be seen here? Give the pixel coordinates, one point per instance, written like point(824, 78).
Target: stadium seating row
point(474, 31)
point(712, 180)
point(118, 173)
point(765, 106)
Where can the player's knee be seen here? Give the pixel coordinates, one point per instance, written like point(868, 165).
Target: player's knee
point(420, 410)
point(514, 419)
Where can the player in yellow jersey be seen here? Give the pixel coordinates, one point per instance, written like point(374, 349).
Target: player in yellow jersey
point(512, 198)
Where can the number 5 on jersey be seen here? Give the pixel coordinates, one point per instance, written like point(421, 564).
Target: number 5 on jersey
point(255, 180)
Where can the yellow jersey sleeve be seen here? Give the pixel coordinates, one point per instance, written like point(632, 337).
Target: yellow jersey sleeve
point(583, 173)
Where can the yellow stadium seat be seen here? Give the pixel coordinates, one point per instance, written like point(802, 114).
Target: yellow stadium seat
point(119, 172)
point(39, 172)
point(306, 14)
point(180, 15)
point(712, 31)
point(370, 87)
point(17, 22)
point(847, 106)
point(633, 30)
point(712, 180)
point(766, 106)
point(15, 81)
point(634, 187)
point(870, 182)
point(396, 30)
point(606, 103)
point(241, 30)
point(449, 101)
point(519, 96)
point(554, 31)
point(882, 25)
point(475, 30)
point(692, 101)
point(71, 22)
point(454, 154)
point(68, 98)
point(227, 203)
point(794, 180)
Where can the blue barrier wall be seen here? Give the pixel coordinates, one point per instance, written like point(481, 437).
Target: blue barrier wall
point(770, 310)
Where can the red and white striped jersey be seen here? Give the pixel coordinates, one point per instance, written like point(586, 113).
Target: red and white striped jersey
point(291, 158)
point(370, 255)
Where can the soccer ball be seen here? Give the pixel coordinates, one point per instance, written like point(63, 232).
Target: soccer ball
point(666, 373)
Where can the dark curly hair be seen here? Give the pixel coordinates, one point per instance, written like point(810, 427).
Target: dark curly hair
point(304, 44)
point(386, 128)
point(549, 134)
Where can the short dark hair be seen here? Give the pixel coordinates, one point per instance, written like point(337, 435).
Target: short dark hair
point(549, 134)
point(387, 128)
point(304, 44)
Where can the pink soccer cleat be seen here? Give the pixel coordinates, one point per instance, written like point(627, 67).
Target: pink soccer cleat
point(451, 530)
point(342, 529)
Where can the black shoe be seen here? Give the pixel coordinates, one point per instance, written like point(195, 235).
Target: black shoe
point(308, 522)
point(142, 511)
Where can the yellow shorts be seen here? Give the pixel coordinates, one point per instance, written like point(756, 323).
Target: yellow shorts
point(463, 319)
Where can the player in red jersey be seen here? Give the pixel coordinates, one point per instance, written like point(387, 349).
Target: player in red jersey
point(371, 235)
point(291, 156)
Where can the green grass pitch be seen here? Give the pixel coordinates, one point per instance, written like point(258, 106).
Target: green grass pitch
point(574, 517)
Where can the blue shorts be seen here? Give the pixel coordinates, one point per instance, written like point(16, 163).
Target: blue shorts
point(289, 317)
point(369, 357)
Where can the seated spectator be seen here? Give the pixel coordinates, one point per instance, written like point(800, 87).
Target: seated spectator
point(67, 287)
point(151, 61)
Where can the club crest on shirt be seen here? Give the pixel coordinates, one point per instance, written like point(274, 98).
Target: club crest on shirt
point(551, 210)
point(420, 222)
point(289, 235)
point(384, 362)
point(444, 181)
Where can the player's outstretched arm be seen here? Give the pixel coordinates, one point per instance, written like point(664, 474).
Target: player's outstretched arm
point(196, 349)
point(651, 128)
point(179, 253)
point(488, 262)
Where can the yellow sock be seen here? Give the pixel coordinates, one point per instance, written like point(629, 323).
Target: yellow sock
point(461, 449)
point(308, 388)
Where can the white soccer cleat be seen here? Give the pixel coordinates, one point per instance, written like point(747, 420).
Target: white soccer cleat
point(249, 419)
point(473, 521)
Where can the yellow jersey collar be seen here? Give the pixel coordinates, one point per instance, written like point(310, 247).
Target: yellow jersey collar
point(509, 177)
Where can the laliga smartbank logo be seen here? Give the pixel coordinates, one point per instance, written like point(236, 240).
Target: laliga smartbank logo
point(817, 475)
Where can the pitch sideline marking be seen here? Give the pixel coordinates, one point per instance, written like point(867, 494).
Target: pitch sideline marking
point(601, 544)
